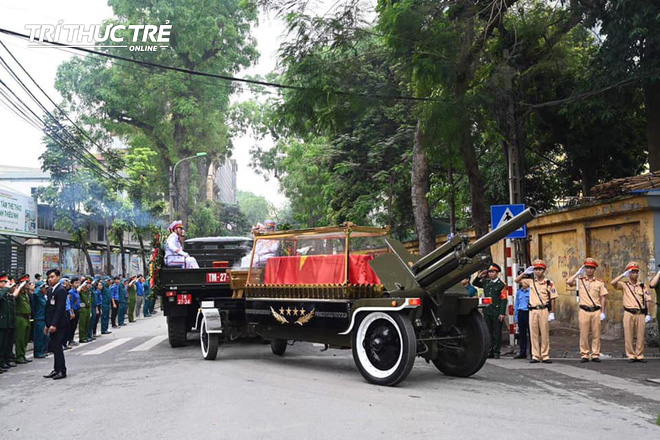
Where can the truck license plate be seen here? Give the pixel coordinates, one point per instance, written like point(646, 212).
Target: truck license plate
point(217, 277)
point(184, 299)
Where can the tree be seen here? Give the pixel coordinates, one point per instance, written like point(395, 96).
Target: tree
point(255, 208)
point(175, 115)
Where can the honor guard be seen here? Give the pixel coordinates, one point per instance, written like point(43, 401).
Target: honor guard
point(4, 322)
point(542, 295)
point(494, 314)
point(591, 297)
point(636, 301)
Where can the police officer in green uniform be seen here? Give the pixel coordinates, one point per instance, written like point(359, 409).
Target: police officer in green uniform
point(22, 318)
point(85, 311)
point(494, 314)
point(4, 322)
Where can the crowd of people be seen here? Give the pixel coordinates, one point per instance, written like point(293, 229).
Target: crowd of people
point(49, 313)
point(535, 309)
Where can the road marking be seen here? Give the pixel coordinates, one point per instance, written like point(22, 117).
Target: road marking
point(151, 343)
point(646, 391)
point(114, 344)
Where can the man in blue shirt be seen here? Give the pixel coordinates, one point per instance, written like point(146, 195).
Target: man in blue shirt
point(521, 317)
point(471, 290)
point(147, 301)
point(106, 304)
point(114, 296)
point(139, 298)
point(74, 298)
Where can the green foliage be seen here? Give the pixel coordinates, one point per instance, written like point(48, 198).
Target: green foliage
point(173, 114)
point(212, 219)
point(255, 208)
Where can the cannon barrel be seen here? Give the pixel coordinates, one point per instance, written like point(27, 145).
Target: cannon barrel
point(496, 235)
point(458, 255)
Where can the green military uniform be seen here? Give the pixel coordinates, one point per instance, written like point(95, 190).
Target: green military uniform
point(11, 330)
point(22, 324)
point(5, 344)
point(85, 314)
point(494, 289)
point(132, 297)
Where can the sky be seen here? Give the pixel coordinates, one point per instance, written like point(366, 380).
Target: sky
point(21, 144)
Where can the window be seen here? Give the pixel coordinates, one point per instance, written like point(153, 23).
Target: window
point(100, 233)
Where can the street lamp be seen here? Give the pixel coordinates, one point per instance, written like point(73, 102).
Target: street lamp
point(173, 188)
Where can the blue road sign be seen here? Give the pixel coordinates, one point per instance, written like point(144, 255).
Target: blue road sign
point(500, 214)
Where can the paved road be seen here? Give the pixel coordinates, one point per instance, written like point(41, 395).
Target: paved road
point(131, 384)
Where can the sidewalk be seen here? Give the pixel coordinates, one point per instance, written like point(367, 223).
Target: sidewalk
point(564, 343)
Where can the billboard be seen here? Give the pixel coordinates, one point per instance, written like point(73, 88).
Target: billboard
point(18, 214)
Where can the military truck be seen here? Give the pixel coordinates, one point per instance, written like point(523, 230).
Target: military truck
point(353, 287)
point(183, 290)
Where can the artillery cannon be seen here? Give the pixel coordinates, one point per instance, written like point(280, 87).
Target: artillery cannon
point(346, 287)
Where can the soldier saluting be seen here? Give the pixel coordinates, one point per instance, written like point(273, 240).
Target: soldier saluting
point(542, 295)
point(636, 299)
point(592, 293)
point(495, 313)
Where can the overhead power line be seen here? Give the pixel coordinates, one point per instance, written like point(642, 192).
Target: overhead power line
point(223, 77)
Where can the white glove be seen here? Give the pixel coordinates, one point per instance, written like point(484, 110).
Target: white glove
point(580, 272)
point(551, 317)
point(602, 316)
point(185, 254)
point(626, 273)
point(647, 319)
point(529, 270)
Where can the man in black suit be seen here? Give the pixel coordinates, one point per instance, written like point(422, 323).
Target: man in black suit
point(56, 320)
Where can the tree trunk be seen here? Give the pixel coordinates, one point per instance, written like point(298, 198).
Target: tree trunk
point(452, 201)
point(142, 251)
point(108, 248)
point(121, 250)
point(652, 104)
point(83, 247)
point(468, 154)
point(419, 192)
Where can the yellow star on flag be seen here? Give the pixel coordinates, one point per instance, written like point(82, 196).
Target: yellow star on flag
point(302, 261)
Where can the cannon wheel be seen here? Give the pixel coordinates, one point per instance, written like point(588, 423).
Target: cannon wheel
point(278, 346)
point(466, 356)
point(176, 331)
point(384, 347)
point(209, 342)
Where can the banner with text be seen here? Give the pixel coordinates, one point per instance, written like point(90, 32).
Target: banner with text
point(18, 214)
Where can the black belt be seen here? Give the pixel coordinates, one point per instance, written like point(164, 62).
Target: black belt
point(635, 311)
point(545, 306)
point(590, 309)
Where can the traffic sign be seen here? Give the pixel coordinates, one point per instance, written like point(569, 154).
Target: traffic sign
point(500, 214)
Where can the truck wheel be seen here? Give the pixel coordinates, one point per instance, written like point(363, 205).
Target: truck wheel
point(384, 347)
point(278, 346)
point(209, 342)
point(465, 356)
point(176, 331)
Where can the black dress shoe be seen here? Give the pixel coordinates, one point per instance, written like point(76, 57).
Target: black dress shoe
point(533, 361)
point(491, 356)
point(631, 361)
point(28, 360)
point(597, 360)
point(496, 356)
point(59, 375)
point(520, 356)
point(585, 360)
point(547, 361)
point(643, 361)
point(51, 374)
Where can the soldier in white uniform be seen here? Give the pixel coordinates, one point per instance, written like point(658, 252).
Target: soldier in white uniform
point(174, 253)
